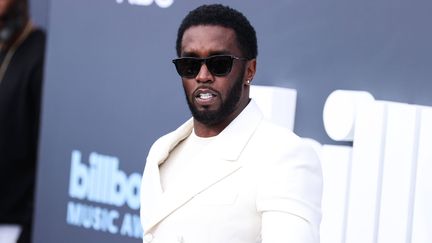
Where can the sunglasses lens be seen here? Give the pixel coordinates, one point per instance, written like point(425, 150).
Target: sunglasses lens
point(220, 65)
point(187, 67)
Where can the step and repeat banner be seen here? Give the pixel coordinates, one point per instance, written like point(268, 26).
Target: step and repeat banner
point(111, 90)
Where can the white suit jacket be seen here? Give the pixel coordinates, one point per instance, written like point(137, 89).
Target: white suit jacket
point(260, 183)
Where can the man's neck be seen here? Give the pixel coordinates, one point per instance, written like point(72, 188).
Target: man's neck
point(205, 131)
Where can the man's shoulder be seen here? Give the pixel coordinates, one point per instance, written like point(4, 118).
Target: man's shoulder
point(281, 142)
point(271, 129)
point(273, 137)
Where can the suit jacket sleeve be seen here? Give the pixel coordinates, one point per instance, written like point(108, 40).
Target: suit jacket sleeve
point(289, 196)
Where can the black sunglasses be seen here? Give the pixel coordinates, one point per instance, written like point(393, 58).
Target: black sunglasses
point(218, 65)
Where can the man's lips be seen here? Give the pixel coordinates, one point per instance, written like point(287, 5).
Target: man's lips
point(205, 96)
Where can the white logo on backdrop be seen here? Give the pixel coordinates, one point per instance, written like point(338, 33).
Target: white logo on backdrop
point(379, 189)
point(160, 3)
point(102, 182)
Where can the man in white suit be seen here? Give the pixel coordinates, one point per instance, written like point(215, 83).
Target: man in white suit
point(227, 175)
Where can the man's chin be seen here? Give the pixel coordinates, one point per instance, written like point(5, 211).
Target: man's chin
point(207, 117)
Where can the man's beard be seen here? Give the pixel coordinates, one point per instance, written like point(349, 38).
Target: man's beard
point(227, 107)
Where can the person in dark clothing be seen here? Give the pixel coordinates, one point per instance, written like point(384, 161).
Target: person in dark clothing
point(22, 48)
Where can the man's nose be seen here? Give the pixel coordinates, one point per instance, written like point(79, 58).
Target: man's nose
point(204, 75)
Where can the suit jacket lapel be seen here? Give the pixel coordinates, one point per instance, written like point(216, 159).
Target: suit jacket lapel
point(198, 182)
point(223, 153)
point(151, 188)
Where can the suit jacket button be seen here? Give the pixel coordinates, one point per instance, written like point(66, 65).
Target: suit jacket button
point(148, 237)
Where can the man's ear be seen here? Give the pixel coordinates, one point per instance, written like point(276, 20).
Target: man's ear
point(250, 70)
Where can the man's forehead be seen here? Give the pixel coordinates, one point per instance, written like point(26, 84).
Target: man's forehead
point(209, 38)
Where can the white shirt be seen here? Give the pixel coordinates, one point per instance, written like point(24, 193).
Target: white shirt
point(182, 160)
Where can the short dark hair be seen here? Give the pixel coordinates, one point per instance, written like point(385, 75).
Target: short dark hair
point(220, 15)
